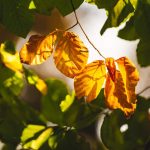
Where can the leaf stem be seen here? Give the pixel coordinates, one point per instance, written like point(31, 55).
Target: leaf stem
point(146, 88)
point(78, 23)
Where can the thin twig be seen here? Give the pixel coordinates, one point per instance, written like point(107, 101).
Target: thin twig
point(148, 87)
point(72, 26)
point(83, 30)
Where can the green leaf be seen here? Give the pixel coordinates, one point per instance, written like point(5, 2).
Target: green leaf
point(57, 92)
point(142, 21)
point(34, 136)
point(16, 17)
point(30, 131)
point(107, 4)
point(8, 122)
point(15, 115)
point(44, 6)
point(9, 47)
point(64, 140)
point(65, 104)
point(15, 84)
point(65, 7)
point(143, 53)
point(10, 81)
point(136, 129)
point(76, 113)
point(81, 114)
point(129, 32)
point(118, 12)
point(90, 1)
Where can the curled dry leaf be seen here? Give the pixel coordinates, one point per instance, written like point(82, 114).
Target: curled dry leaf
point(90, 80)
point(38, 49)
point(120, 93)
point(119, 87)
point(70, 54)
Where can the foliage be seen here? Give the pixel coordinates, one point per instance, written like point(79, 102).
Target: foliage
point(137, 129)
point(137, 15)
point(19, 18)
point(63, 114)
point(18, 15)
point(70, 57)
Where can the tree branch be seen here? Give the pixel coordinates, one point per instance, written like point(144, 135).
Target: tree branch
point(146, 88)
point(78, 23)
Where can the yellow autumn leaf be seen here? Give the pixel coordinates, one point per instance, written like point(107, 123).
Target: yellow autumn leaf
point(130, 77)
point(12, 61)
point(41, 86)
point(115, 96)
point(90, 80)
point(70, 54)
point(38, 49)
point(111, 67)
point(120, 93)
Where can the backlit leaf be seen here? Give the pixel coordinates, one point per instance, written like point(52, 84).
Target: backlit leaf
point(34, 136)
point(115, 96)
point(70, 54)
point(38, 49)
point(65, 104)
point(90, 80)
point(120, 93)
point(12, 61)
point(33, 79)
point(118, 12)
point(130, 77)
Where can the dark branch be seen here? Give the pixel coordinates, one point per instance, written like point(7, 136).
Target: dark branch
point(83, 29)
point(148, 87)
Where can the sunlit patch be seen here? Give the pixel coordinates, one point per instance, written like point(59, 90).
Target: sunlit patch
point(124, 128)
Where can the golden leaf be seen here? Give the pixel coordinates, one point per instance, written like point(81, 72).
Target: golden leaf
point(120, 93)
point(130, 77)
point(70, 54)
point(11, 61)
point(90, 80)
point(38, 49)
point(111, 67)
point(115, 96)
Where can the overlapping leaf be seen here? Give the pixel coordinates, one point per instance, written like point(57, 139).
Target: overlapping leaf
point(119, 87)
point(34, 136)
point(33, 79)
point(38, 49)
point(11, 61)
point(118, 11)
point(136, 135)
point(90, 80)
point(71, 54)
point(138, 28)
point(120, 93)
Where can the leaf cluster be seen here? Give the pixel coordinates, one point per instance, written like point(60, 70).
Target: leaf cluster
point(136, 14)
point(32, 129)
point(18, 15)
